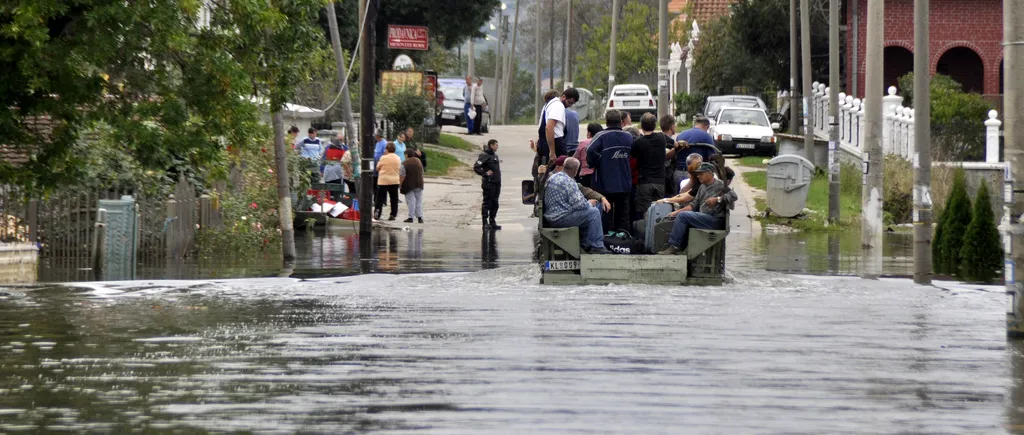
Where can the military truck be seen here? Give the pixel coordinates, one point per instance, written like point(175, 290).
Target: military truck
point(563, 262)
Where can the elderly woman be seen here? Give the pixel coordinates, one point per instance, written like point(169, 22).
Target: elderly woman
point(388, 181)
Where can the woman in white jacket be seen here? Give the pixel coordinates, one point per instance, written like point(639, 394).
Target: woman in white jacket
point(478, 104)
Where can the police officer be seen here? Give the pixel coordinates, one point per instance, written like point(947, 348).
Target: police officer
point(489, 167)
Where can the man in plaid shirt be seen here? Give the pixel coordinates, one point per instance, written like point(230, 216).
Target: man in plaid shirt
point(565, 206)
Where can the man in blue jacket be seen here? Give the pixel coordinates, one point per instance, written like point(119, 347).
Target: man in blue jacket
point(609, 156)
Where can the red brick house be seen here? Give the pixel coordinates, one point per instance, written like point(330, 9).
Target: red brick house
point(966, 42)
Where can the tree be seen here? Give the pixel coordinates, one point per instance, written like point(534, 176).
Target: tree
point(956, 217)
point(938, 261)
point(958, 129)
point(982, 250)
point(522, 87)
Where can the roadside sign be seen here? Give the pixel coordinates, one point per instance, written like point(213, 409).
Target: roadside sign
point(393, 81)
point(408, 37)
point(403, 63)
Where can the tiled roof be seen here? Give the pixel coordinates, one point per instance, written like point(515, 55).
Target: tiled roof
point(706, 10)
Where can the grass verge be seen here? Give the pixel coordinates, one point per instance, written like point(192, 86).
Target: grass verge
point(753, 161)
point(817, 201)
point(450, 141)
point(440, 163)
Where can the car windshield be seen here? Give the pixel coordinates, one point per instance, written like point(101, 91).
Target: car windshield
point(715, 106)
point(743, 117)
point(632, 92)
point(452, 93)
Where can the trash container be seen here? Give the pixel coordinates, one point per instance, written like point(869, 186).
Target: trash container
point(789, 181)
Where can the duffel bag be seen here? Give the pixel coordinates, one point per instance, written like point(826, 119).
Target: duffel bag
point(623, 243)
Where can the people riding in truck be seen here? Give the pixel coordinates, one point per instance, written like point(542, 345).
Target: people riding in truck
point(707, 211)
point(566, 206)
point(608, 154)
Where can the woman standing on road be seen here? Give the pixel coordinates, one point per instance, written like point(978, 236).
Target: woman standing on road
point(387, 181)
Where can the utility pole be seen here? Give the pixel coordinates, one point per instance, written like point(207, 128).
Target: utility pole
point(472, 59)
point(1013, 121)
point(567, 49)
point(833, 112)
point(871, 200)
point(512, 66)
point(367, 116)
point(339, 57)
point(551, 46)
point(499, 71)
point(536, 61)
point(284, 195)
point(612, 49)
point(805, 60)
point(922, 148)
point(794, 71)
point(663, 97)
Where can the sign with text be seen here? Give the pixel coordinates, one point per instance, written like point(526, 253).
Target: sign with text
point(408, 37)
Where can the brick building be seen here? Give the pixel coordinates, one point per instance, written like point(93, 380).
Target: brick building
point(966, 42)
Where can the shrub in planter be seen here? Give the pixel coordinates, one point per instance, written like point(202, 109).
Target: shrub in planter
point(982, 251)
point(956, 217)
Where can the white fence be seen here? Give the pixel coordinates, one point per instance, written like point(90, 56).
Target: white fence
point(897, 124)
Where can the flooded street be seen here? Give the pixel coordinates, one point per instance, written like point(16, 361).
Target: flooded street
point(493, 352)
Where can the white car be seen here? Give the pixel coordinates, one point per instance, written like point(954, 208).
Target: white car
point(635, 99)
point(744, 130)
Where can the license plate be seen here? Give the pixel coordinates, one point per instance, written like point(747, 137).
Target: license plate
point(562, 265)
point(448, 116)
point(630, 103)
point(745, 146)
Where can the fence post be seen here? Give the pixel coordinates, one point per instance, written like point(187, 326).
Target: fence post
point(205, 211)
point(170, 228)
point(847, 128)
point(909, 147)
point(992, 137)
point(858, 121)
point(33, 220)
point(823, 115)
point(99, 244)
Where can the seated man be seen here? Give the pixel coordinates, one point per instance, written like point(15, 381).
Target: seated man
point(565, 206)
point(711, 204)
point(687, 190)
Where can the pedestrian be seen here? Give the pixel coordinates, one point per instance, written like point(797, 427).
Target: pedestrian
point(572, 132)
point(467, 98)
point(293, 137)
point(478, 105)
point(696, 135)
point(411, 179)
point(649, 152)
point(388, 181)
point(349, 165)
point(378, 151)
point(627, 125)
point(331, 164)
point(488, 166)
point(400, 146)
point(311, 148)
point(668, 131)
point(551, 131)
point(609, 154)
point(586, 172)
point(410, 143)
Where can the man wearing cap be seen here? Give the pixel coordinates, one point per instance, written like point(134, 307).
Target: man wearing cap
point(706, 212)
point(566, 206)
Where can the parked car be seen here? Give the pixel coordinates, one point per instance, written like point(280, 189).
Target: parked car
point(714, 104)
point(744, 130)
point(454, 106)
point(635, 99)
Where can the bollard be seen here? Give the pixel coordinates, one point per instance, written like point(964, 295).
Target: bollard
point(99, 244)
point(992, 137)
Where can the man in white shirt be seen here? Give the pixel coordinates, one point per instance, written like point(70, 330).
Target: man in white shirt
point(551, 130)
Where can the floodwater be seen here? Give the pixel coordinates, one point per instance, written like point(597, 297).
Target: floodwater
point(493, 352)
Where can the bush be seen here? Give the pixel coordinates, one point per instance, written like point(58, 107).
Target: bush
point(958, 129)
point(690, 104)
point(956, 217)
point(897, 190)
point(405, 107)
point(982, 250)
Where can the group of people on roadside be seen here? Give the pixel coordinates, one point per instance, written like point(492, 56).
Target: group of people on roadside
point(608, 182)
point(332, 161)
point(401, 165)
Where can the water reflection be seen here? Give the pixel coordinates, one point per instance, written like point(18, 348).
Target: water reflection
point(831, 253)
point(488, 250)
point(1015, 403)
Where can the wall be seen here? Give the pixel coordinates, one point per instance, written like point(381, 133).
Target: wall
point(976, 24)
point(18, 263)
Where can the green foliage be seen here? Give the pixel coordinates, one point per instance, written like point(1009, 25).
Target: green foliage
point(956, 217)
point(636, 50)
point(982, 250)
point(450, 141)
point(958, 129)
point(690, 104)
point(817, 200)
point(938, 263)
point(405, 107)
point(523, 88)
point(441, 163)
point(172, 92)
point(897, 190)
point(249, 212)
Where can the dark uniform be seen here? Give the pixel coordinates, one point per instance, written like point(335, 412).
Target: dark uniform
point(491, 184)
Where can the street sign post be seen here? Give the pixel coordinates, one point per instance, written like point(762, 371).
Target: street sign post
point(408, 37)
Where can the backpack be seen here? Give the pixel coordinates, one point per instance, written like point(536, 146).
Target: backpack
point(622, 243)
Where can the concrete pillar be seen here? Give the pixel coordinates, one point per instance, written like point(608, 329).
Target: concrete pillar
point(992, 137)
